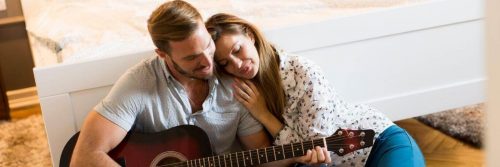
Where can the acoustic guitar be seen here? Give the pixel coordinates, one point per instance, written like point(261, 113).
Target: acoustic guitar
point(189, 146)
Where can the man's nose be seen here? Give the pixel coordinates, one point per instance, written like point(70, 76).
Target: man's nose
point(205, 59)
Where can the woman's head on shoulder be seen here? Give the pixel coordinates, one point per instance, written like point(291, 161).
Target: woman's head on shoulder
point(241, 49)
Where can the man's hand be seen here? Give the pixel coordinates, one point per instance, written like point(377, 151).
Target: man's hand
point(315, 157)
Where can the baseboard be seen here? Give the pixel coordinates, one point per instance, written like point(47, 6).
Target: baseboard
point(22, 98)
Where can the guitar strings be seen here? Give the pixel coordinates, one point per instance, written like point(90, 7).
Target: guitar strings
point(307, 143)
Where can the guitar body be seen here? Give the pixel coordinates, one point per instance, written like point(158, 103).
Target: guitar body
point(177, 144)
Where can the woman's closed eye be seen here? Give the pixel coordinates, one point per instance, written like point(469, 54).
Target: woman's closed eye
point(236, 50)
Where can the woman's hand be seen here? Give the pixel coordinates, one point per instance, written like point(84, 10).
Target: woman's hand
point(248, 94)
point(315, 157)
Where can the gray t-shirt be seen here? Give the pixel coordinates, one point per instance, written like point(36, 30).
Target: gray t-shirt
point(150, 99)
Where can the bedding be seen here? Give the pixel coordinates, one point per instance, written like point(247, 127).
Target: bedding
point(72, 30)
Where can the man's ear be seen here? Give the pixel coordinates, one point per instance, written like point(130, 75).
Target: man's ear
point(160, 53)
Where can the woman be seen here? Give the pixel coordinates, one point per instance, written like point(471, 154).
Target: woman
point(290, 96)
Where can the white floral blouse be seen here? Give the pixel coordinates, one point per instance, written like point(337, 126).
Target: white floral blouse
point(314, 110)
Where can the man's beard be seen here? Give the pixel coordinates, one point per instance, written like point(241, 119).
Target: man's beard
point(187, 74)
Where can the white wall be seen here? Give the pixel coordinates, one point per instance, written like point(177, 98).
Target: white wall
point(493, 66)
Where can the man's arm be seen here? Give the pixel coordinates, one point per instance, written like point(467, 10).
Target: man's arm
point(97, 137)
point(255, 141)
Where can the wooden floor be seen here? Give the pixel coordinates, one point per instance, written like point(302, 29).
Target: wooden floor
point(439, 149)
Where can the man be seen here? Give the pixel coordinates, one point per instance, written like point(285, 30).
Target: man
point(176, 87)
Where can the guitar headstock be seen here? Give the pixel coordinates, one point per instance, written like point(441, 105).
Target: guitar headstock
point(346, 141)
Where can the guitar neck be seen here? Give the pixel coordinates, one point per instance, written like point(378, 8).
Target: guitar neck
point(342, 142)
point(258, 156)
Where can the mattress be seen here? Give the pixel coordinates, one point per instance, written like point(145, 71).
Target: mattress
point(65, 31)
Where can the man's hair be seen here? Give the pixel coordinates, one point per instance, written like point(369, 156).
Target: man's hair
point(173, 21)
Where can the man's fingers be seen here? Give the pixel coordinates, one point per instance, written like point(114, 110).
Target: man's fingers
point(306, 158)
point(314, 157)
point(328, 159)
point(320, 154)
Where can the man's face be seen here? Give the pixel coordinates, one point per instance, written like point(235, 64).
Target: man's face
point(193, 57)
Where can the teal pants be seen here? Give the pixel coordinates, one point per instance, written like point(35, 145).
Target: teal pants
point(395, 147)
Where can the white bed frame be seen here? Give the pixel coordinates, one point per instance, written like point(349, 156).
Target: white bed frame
point(406, 61)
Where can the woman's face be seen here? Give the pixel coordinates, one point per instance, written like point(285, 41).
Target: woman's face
point(236, 53)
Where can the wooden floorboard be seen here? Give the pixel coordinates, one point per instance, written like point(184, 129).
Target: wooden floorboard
point(441, 150)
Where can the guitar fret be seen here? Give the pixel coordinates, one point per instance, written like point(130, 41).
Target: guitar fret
point(293, 151)
point(187, 163)
point(265, 153)
point(244, 163)
point(248, 158)
point(225, 165)
point(258, 157)
point(235, 157)
point(237, 161)
point(312, 141)
point(324, 142)
point(302, 143)
point(231, 160)
point(274, 153)
point(283, 151)
point(251, 159)
point(218, 158)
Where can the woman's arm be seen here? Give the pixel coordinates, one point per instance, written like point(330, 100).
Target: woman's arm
point(248, 94)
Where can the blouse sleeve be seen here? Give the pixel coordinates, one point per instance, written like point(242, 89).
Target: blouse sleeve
point(315, 106)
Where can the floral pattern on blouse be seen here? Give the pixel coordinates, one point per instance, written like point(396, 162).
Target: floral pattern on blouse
point(314, 110)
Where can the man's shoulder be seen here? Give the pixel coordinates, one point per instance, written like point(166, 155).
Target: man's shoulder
point(146, 65)
point(141, 75)
point(146, 70)
point(224, 81)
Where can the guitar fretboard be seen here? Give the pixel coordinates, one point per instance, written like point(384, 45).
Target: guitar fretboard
point(257, 156)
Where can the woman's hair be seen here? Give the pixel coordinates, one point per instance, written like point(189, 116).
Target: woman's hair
point(172, 21)
point(268, 79)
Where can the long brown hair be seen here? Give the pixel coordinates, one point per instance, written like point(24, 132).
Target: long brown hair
point(268, 79)
point(172, 21)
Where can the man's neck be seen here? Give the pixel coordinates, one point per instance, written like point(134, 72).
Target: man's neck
point(183, 79)
point(197, 89)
